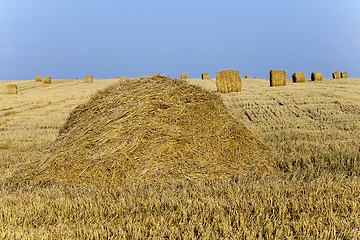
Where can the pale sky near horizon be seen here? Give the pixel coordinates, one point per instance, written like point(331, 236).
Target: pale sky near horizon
point(108, 38)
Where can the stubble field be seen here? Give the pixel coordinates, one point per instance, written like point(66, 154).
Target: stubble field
point(313, 128)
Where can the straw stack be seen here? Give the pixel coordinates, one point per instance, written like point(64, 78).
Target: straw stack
point(89, 79)
point(11, 89)
point(228, 81)
point(277, 78)
point(205, 76)
point(316, 76)
point(47, 80)
point(118, 78)
point(184, 76)
point(298, 77)
point(344, 75)
point(336, 75)
point(38, 78)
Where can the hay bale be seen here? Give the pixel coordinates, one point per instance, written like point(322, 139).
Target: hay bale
point(118, 78)
point(205, 76)
point(247, 76)
point(316, 76)
point(184, 76)
point(38, 78)
point(76, 78)
point(155, 128)
point(228, 81)
point(298, 77)
point(47, 80)
point(11, 89)
point(89, 79)
point(277, 78)
point(257, 78)
point(344, 75)
point(336, 75)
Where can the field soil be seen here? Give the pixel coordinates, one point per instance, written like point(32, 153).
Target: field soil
point(313, 127)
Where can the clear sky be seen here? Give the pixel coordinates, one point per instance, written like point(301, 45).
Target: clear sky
point(108, 38)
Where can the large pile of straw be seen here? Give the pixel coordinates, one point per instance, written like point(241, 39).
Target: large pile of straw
point(228, 81)
point(277, 78)
point(154, 128)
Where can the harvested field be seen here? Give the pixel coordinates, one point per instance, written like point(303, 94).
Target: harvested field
point(313, 193)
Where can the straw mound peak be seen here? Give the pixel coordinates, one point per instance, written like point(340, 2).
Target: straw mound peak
point(151, 128)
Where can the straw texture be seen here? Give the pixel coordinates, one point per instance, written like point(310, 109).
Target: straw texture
point(154, 128)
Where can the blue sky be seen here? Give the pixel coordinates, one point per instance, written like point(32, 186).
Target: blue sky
point(108, 38)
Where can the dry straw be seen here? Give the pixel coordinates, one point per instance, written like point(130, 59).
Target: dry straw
point(316, 76)
point(184, 76)
point(277, 78)
point(344, 75)
point(38, 78)
point(298, 77)
point(247, 76)
point(89, 79)
point(336, 75)
point(47, 80)
point(155, 128)
point(205, 76)
point(11, 89)
point(228, 81)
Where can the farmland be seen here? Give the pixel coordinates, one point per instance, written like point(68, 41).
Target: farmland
point(313, 128)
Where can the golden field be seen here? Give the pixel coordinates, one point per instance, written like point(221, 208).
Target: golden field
point(313, 128)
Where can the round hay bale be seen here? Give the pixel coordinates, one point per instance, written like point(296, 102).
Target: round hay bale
point(154, 128)
point(228, 81)
point(118, 78)
point(89, 79)
point(205, 76)
point(344, 75)
point(47, 80)
point(277, 78)
point(257, 78)
point(298, 77)
point(184, 76)
point(11, 89)
point(336, 75)
point(247, 76)
point(316, 76)
point(38, 78)
point(76, 78)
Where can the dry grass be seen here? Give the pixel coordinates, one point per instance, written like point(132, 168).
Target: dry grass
point(314, 128)
point(277, 78)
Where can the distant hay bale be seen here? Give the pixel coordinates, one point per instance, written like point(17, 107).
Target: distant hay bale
point(344, 75)
point(228, 81)
point(247, 76)
point(257, 78)
point(205, 76)
point(76, 78)
point(47, 80)
point(298, 77)
point(38, 78)
point(11, 89)
point(316, 76)
point(336, 75)
point(277, 78)
point(89, 79)
point(184, 76)
point(118, 78)
point(153, 128)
